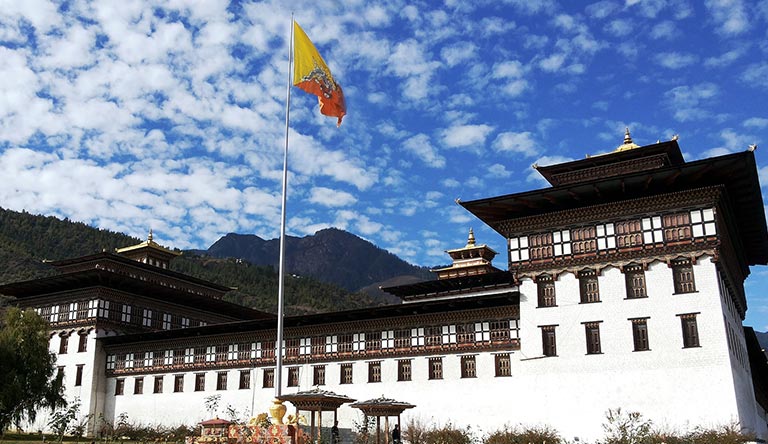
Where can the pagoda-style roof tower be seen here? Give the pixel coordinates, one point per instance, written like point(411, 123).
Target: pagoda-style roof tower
point(149, 252)
point(472, 259)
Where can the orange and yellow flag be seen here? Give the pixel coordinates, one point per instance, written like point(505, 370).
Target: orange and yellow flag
point(311, 74)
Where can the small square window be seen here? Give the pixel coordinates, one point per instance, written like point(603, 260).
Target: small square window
point(221, 381)
point(346, 374)
point(318, 375)
point(158, 385)
point(245, 379)
point(178, 383)
point(268, 380)
point(293, 377)
point(200, 382)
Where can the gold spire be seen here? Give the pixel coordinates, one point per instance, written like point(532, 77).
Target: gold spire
point(149, 238)
point(628, 144)
point(471, 239)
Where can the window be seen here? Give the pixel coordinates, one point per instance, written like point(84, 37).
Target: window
point(346, 374)
point(468, 369)
point(518, 249)
point(588, 286)
point(111, 362)
point(293, 377)
point(690, 330)
point(388, 339)
point(318, 375)
point(178, 383)
point(129, 360)
point(221, 381)
point(435, 368)
point(592, 330)
point(149, 359)
point(245, 379)
point(232, 352)
point(546, 290)
point(146, 318)
point(126, 313)
point(158, 385)
point(138, 386)
point(634, 276)
point(119, 387)
point(374, 371)
point(189, 355)
point(703, 222)
point(82, 344)
point(63, 344)
point(60, 372)
point(548, 341)
point(168, 357)
point(503, 364)
point(682, 276)
point(640, 334)
point(79, 375)
point(210, 353)
point(199, 382)
point(268, 380)
point(404, 370)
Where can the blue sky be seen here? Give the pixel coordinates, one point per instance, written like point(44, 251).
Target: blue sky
point(131, 115)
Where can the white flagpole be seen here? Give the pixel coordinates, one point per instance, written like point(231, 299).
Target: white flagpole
point(281, 272)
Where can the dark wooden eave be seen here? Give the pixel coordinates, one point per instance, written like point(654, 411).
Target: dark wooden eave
point(610, 164)
point(97, 277)
point(737, 172)
point(457, 285)
point(365, 314)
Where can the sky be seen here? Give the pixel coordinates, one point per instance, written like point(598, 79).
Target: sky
point(170, 115)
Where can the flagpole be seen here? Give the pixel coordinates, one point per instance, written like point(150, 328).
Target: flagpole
point(281, 270)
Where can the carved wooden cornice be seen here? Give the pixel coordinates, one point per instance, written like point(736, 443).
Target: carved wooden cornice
point(611, 211)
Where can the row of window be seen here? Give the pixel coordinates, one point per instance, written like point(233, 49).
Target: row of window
point(502, 362)
point(634, 279)
point(451, 336)
point(123, 313)
point(690, 335)
point(655, 230)
point(82, 342)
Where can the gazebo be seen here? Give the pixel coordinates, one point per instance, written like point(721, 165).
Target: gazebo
point(319, 401)
point(382, 407)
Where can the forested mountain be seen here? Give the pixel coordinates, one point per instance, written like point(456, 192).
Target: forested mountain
point(27, 240)
point(331, 255)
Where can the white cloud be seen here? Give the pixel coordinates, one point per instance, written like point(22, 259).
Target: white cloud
point(422, 147)
point(499, 170)
point(664, 30)
point(521, 143)
point(756, 122)
point(756, 74)
point(458, 53)
point(330, 198)
point(675, 60)
point(687, 102)
point(462, 136)
point(601, 9)
point(730, 16)
point(725, 59)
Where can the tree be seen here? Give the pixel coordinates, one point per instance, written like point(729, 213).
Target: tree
point(26, 368)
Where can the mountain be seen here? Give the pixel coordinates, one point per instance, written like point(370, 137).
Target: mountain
point(27, 241)
point(762, 338)
point(331, 255)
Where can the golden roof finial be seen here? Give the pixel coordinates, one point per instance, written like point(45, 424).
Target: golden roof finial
point(471, 238)
point(628, 144)
point(149, 238)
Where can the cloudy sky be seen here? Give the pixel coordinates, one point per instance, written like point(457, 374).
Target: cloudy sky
point(170, 115)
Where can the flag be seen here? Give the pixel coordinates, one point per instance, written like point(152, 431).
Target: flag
point(311, 74)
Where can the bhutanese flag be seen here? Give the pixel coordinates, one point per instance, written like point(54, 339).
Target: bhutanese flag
point(311, 74)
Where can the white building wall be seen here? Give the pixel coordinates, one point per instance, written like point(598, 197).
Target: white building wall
point(678, 388)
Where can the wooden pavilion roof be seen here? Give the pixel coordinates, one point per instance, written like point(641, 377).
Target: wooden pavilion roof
point(316, 400)
point(382, 407)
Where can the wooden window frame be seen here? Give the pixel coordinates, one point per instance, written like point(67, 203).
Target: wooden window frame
point(221, 380)
point(293, 377)
point(374, 371)
point(545, 288)
point(683, 278)
point(346, 375)
point(178, 384)
point(157, 385)
point(589, 286)
point(592, 336)
point(690, 330)
point(634, 279)
point(548, 340)
point(268, 378)
point(404, 370)
point(244, 382)
point(503, 364)
point(199, 382)
point(435, 367)
point(468, 366)
point(138, 385)
point(640, 334)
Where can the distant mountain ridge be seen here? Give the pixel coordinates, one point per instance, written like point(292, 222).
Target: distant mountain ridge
point(28, 240)
point(331, 255)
